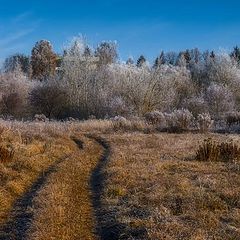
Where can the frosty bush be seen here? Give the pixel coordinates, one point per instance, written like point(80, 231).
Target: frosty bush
point(40, 118)
point(14, 90)
point(121, 123)
point(204, 122)
point(196, 105)
point(156, 118)
point(220, 100)
point(91, 81)
point(118, 106)
point(179, 120)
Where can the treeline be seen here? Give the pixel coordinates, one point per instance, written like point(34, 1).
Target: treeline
point(84, 82)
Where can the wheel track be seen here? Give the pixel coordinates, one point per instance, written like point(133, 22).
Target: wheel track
point(108, 228)
point(22, 214)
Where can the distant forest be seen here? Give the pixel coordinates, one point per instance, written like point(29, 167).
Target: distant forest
point(85, 82)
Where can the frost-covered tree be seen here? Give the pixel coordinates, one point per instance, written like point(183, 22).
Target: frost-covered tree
point(14, 90)
point(15, 61)
point(171, 58)
point(85, 81)
point(173, 85)
point(236, 54)
point(107, 53)
point(181, 62)
point(146, 90)
point(187, 56)
point(87, 52)
point(159, 60)
point(196, 55)
point(220, 100)
point(195, 104)
point(130, 61)
point(223, 69)
point(141, 61)
point(43, 60)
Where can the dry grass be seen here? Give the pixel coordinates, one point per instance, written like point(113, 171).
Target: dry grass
point(63, 208)
point(25, 153)
point(158, 191)
point(154, 187)
point(110, 126)
point(214, 151)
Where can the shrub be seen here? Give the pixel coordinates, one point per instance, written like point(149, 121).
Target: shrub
point(179, 120)
point(14, 90)
point(196, 105)
point(11, 103)
point(218, 152)
point(232, 118)
point(48, 99)
point(40, 118)
point(204, 122)
point(121, 123)
point(155, 117)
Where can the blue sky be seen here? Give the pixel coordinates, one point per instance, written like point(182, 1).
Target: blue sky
point(139, 27)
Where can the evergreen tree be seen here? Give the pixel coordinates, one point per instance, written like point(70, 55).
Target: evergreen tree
point(15, 61)
point(87, 52)
point(236, 54)
point(141, 61)
point(130, 61)
point(43, 60)
point(107, 53)
point(159, 60)
point(195, 55)
point(212, 55)
point(187, 56)
point(181, 62)
point(171, 58)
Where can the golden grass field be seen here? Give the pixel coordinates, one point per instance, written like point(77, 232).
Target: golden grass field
point(122, 182)
point(158, 191)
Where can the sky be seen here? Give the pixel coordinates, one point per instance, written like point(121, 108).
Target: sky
point(139, 27)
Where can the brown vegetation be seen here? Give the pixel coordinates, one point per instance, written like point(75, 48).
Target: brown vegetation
point(155, 186)
point(24, 154)
point(158, 191)
point(213, 151)
point(63, 208)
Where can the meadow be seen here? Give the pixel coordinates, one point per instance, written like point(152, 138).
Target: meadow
point(111, 179)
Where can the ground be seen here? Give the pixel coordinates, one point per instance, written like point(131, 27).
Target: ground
point(92, 180)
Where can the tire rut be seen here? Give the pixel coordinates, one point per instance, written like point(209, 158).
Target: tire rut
point(21, 215)
point(107, 226)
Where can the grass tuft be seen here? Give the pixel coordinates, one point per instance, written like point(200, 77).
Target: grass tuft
point(6, 154)
point(218, 152)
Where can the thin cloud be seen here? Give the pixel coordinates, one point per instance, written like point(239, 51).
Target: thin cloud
point(15, 36)
point(21, 17)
